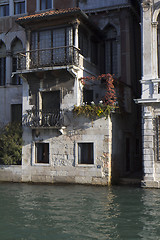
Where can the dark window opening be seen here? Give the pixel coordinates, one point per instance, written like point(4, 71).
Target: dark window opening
point(45, 4)
point(51, 101)
point(85, 153)
point(19, 7)
point(94, 52)
point(87, 96)
point(83, 43)
point(16, 113)
point(111, 61)
point(42, 153)
point(16, 80)
point(51, 108)
point(4, 10)
point(2, 71)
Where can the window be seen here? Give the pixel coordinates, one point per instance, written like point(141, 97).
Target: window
point(85, 153)
point(42, 152)
point(45, 4)
point(83, 43)
point(16, 47)
point(2, 64)
point(50, 111)
point(19, 7)
point(87, 96)
point(94, 51)
point(4, 10)
point(51, 44)
point(111, 51)
point(16, 112)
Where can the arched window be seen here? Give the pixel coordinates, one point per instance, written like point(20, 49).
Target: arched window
point(2, 64)
point(111, 65)
point(158, 44)
point(16, 47)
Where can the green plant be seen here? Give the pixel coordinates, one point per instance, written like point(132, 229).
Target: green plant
point(103, 108)
point(11, 144)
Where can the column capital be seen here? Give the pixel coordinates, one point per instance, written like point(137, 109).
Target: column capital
point(146, 4)
point(76, 23)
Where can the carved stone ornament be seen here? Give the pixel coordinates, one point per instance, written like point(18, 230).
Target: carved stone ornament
point(146, 4)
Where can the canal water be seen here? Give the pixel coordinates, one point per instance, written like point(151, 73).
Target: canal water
point(74, 212)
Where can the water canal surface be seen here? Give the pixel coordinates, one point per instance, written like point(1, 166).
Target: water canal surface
point(46, 212)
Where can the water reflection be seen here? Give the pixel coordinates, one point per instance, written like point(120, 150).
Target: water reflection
point(35, 212)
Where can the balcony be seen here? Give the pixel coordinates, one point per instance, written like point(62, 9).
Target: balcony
point(38, 119)
point(41, 58)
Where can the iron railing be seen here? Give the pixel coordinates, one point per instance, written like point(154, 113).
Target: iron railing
point(50, 57)
point(34, 118)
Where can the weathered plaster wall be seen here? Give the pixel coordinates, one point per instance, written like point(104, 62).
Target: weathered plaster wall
point(63, 165)
point(10, 94)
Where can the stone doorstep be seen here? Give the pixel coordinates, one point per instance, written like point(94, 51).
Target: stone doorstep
point(130, 181)
point(150, 184)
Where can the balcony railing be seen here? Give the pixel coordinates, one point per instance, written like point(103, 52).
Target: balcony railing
point(34, 118)
point(50, 57)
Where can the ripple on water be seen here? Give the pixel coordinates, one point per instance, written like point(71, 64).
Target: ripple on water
point(35, 212)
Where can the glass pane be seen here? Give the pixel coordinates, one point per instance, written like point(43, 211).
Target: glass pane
point(23, 7)
point(45, 43)
point(49, 4)
point(16, 8)
point(7, 10)
point(43, 5)
point(58, 44)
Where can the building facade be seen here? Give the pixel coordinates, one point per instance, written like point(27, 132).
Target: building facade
point(53, 45)
point(150, 97)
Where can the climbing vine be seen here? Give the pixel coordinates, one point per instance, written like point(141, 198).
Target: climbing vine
point(107, 104)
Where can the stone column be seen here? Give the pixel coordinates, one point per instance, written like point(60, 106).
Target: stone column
point(146, 41)
point(76, 24)
point(154, 51)
point(28, 37)
point(148, 144)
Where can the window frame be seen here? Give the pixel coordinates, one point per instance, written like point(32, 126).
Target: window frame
point(4, 5)
point(38, 4)
point(20, 2)
point(77, 154)
point(111, 48)
point(34, 154)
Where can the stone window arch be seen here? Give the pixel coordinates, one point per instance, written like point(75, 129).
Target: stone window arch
point(2, 63)
point(16, 47)
point(111, 56)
